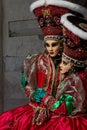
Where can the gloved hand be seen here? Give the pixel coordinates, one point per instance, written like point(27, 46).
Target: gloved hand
point(38, 94)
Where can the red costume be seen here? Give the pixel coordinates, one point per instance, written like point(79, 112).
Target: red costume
point(53, 104)
point(39, 116)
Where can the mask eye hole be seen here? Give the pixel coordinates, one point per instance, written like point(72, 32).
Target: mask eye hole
point(54, 44)
point(64, 62)
point(46, 45)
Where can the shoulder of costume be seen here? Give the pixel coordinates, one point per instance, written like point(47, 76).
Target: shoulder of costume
point(33, 55)
point(36, 56)
point(42, 56)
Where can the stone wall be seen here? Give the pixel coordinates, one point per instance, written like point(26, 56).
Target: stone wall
point(1, 59)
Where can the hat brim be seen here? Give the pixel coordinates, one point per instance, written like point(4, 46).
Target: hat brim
point(69, 5)
point(76, 25)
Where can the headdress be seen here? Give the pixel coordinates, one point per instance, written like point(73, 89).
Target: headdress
point(49, 12)
point(75, 46)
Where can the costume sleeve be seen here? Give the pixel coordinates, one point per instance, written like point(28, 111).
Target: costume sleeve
point(70, 91)
point(57, 107)
point(28, 75)
point(48, 100)
point(30, 80)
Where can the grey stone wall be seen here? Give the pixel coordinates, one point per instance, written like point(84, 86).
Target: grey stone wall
point(1, 59)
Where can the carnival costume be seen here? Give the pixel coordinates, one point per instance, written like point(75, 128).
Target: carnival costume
point(54, 104)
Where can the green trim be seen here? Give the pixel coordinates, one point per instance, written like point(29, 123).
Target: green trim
point(23, 80)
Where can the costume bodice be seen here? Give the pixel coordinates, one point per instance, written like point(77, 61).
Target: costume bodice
point(41, 72)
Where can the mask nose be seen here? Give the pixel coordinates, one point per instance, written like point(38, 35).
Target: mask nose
point(60, 64)
point(50, 48)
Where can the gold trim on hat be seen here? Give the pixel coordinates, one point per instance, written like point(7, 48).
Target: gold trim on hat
point(46, 12)
point(54, 37)
point(76, 62)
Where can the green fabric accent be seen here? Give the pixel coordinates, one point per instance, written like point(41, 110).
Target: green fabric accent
point(39, 94)
point(68, 100)
point(23, 80)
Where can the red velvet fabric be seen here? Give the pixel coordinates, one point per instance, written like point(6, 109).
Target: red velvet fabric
point(21, 119)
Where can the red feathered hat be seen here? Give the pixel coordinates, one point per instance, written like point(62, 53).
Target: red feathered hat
point(49, 12)
point(75, 46)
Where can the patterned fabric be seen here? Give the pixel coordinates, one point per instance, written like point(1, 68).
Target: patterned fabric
point(40, 68)
point(41, 115)
point(73, 85)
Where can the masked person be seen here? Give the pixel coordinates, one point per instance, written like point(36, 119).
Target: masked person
point(41, 73)
point(72, 90)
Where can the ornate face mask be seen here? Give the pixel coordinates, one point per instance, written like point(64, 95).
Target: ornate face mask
point(65, 65)
point(53, 47)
